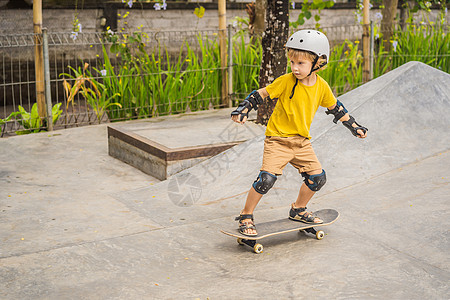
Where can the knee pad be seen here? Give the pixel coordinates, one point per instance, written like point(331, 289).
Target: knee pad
point(264, 182)
point(318, 181)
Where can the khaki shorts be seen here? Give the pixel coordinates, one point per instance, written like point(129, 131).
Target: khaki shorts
point(296, 150)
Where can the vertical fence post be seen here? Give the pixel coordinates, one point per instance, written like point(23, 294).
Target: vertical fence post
point(48, 93)
point(372, 50)
point(223, 51)
point(230, 66)
point(38, 59)
point(366, 41)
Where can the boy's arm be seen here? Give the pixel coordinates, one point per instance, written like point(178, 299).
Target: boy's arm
point(252, 101)
point(340, 113)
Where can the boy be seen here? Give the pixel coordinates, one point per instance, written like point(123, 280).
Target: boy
point(299, 94)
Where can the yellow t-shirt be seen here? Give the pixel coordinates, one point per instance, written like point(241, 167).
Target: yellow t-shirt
point(294, 116)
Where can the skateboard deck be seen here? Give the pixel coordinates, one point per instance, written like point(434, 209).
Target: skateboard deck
point(281, 226)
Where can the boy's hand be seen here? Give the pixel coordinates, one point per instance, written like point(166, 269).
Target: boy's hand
point(240, 118)
point(356, 129)
point(361, 133)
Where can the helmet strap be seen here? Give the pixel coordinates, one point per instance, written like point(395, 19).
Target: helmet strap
point(313, 64)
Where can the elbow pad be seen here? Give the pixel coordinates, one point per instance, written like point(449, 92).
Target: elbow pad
point(337, 112)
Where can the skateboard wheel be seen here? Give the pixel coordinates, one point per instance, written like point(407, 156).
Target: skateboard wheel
point(240, 242)
point(320, 234)
point(258, 248)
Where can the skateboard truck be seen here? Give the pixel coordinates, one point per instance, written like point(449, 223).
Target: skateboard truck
point(319, 234)
point(258, 248)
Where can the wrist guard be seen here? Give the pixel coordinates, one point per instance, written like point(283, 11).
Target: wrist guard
point(337, 112)
point(353, 130)
point(250, 102)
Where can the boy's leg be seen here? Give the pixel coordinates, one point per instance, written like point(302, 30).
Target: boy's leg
point(252, 201)
point(305, 195)
point(275, 158)
point(305, 161)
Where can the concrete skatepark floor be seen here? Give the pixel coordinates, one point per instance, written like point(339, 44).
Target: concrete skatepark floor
point(78, 224)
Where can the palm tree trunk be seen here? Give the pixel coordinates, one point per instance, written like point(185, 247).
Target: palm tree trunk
point(274, 59)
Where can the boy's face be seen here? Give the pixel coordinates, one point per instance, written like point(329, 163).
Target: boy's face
point(300, 66)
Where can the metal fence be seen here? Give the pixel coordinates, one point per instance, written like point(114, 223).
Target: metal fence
point(173, 79)
point(69, 52)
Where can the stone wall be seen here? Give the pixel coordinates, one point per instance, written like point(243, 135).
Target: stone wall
point(15, 21)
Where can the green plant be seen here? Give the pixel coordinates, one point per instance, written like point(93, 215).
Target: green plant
point(98, 99)
point(424, 43)
point(306, 11)
point(31, 120)
point(150, 84)
point(3, 122)
point(95, 94)
point(344, 70)
point(247, 60)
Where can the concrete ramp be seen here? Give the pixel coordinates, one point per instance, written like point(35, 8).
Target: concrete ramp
point(96, 228)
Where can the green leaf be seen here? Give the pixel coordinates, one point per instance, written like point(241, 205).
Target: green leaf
point(56, 112)
point(35, 120)
point(308, 14)
point(317, 18)
point(115, 48)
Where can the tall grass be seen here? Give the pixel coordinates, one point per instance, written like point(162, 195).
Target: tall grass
point(424, 43)
point(158, 83)
point(247, 59)
point(344, 70)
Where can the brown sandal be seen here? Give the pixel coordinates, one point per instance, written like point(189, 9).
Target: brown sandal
point(307, 217)
point(244, 226)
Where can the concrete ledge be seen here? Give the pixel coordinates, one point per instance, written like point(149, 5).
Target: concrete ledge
point(155, 159)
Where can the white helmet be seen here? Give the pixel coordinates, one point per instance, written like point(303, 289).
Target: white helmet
point(310, 40)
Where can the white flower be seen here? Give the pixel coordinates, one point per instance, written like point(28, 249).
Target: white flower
point(80, 27)
point(235, 23)
point(74, 35)
point(158, 6)
point(103, 72)
point(394, 44)
point(359, 18)
point(110, 32)
point(293, 5)
point(370, 5)
point(130, 2)
point(378, 16)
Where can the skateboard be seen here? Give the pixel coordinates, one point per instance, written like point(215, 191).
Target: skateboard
point(285, 225)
